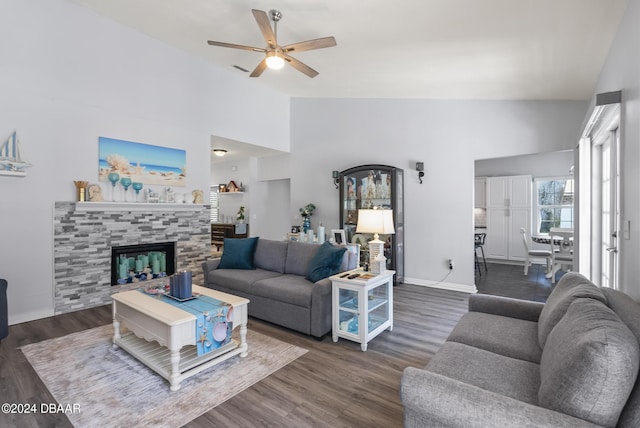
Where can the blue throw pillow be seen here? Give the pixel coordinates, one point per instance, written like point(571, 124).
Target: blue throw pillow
point(237, 253)
point(325, 262)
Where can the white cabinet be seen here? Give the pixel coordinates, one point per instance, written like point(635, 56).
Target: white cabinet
point(508, 210)
point(509, 192)
point(480, 193)
point(520, 191)
point(362, 306)
point(497, 192)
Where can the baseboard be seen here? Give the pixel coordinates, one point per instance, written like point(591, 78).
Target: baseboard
point(30, 316)
point(442, 285)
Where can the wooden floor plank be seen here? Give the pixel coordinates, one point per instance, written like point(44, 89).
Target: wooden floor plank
point(333, 385)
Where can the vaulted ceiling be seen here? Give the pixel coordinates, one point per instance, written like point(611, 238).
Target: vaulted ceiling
point(437, 49)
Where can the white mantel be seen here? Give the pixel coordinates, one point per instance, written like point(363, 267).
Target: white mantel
point(134, 206)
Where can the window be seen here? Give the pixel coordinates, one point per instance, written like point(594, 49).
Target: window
point(213, 201)
point(554, 203)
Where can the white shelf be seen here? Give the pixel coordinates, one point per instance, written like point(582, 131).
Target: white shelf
point(135, 206)
point(230, 193)
point(13, 173)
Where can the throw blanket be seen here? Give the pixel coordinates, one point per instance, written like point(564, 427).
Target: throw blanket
point(214, 321)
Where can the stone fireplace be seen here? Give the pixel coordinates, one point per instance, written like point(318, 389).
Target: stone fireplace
point(85, 232)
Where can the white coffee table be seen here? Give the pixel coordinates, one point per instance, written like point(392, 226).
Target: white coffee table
point(162, 336)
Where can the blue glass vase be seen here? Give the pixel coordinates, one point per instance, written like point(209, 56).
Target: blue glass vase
point(306, 224)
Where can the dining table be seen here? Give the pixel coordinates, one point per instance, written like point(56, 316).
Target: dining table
point(561, 237)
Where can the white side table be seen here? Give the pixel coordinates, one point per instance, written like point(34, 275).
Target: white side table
point(362, 307)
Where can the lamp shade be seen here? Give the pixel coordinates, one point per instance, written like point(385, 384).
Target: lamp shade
point(375, 221)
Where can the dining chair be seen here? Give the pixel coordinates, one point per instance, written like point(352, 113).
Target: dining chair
point(529, 253)
point(562, 257)
point(479, 243)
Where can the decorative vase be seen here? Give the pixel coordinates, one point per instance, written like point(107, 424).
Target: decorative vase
point(306, 224)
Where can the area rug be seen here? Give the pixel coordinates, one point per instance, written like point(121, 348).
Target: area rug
point(110, 388)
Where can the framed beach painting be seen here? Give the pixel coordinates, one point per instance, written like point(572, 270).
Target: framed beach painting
point(143, 163)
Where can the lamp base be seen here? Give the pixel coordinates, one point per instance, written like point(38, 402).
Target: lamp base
point(377, 260)
point(378, 266)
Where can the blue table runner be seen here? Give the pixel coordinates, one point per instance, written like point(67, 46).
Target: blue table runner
point(213, 320)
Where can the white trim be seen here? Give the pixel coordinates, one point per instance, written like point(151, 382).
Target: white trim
point(464, 288)
point(30, 316)
point(14, 173)
point(134, 206)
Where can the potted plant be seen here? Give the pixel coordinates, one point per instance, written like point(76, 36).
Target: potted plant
point(240, 215)
point(306, 212)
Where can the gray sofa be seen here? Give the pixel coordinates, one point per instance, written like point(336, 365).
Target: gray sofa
point(570, 362)
point(278, 289)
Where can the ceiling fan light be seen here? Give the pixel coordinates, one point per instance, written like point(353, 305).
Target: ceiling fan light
point(219, 152)
point(274, 61)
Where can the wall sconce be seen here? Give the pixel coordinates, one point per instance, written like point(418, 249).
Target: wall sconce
point(336, 179)
point(420, 169)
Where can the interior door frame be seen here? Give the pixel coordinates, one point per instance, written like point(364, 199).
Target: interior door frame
point(603, 123)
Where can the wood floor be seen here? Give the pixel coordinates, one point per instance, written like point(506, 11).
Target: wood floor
point(333, 385)
point(510, 281)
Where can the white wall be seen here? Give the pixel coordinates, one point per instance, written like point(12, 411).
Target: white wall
point(448, 136)
point(551, 164)
point(68, 76)
point(272, 197)
point(622, 72)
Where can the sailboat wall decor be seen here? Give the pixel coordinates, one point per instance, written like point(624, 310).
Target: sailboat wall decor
point(11, 160)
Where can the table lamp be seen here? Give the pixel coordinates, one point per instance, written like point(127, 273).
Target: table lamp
point(376, 221)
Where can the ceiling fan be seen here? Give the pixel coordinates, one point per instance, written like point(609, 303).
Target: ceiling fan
point(276, 55)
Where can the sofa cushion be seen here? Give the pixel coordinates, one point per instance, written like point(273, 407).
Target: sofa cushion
point(589, 364)
point(492, 372)
point(572, 286)
point(349, 259)
point(506, 336)
point(325, 262)
point(270, 255)
point(238, 253)
point(292, 289)
point(629, 312)
point(238, 279)
point(299, 256)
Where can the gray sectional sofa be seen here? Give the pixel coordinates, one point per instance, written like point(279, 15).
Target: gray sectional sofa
point(570, 362)
point(277, 285)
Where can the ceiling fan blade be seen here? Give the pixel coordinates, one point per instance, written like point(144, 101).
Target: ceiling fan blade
point(259, 69)
point(265, 27)
point(324, 42)
point(304, 68)
point(234, 46)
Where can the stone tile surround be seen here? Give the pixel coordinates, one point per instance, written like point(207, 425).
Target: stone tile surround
point(83, 236)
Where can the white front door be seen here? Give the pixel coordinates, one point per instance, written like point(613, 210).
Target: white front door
point(610, 209)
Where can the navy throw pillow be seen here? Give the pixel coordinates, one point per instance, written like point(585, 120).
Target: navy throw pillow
point(325, 262)
point(237, 253)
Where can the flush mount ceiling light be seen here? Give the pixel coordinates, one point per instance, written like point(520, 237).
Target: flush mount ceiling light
point(219, 152)
point(274, 61)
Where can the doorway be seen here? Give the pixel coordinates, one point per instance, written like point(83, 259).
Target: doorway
point(506, 276)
